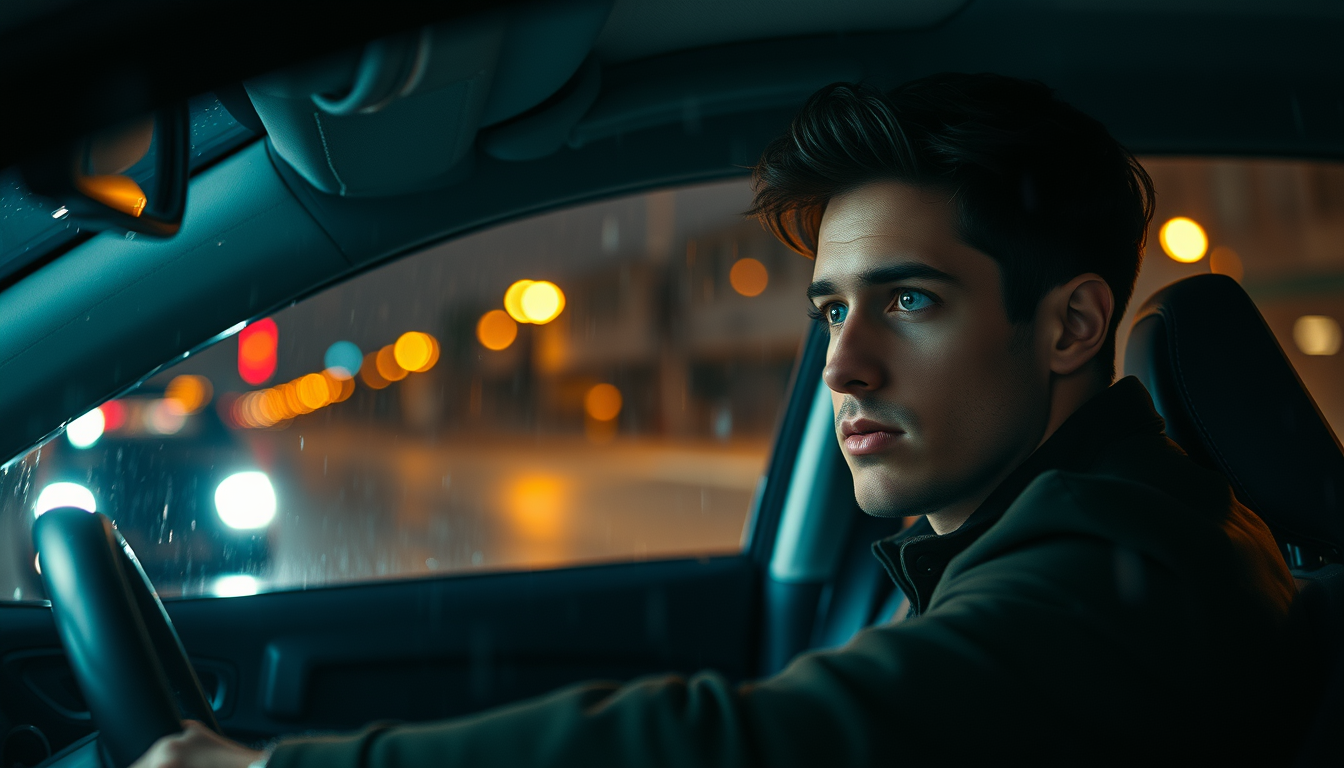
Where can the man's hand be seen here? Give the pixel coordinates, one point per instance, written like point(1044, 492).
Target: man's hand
point(197, 747)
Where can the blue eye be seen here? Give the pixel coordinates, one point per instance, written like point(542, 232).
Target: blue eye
point(835, 314)
point(913, 301)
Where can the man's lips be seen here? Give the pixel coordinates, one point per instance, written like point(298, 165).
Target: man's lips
point(865, 436)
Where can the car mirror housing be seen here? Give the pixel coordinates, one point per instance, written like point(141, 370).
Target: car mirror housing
point(132, 176)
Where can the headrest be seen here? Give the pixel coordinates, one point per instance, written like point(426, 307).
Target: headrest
point(1232, 400)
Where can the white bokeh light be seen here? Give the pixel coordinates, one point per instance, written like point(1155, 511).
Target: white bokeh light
point(64, 495)
point(85, 431)
point(234, 585)
point(246, 500)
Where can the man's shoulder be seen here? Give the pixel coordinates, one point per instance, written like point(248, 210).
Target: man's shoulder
point(1124, 512)
point(1209, 541)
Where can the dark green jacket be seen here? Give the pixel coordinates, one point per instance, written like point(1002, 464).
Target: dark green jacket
point(1110, 602)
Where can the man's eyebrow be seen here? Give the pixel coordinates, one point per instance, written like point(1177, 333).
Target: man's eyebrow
point(882, 275)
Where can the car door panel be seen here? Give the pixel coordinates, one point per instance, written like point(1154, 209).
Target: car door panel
point(422, 649)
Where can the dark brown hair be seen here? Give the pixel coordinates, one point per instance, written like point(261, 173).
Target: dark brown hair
point(1039, 186)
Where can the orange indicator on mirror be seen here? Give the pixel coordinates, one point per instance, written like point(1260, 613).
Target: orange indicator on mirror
point(115, 191)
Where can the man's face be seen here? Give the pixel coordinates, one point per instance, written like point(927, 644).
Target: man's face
point(937, 396)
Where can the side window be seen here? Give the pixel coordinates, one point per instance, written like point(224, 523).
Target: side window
point(596, 384)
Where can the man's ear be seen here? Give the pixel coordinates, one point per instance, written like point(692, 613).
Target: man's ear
point(1079, 319)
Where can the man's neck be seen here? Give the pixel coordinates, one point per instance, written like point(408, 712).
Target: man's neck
point(1067, 395)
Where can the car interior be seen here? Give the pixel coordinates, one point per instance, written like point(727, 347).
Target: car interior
point(408, 164)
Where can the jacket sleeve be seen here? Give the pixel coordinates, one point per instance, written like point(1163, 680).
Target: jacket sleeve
point(1008, 643)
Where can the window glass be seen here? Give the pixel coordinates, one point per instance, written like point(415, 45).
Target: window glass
point(1278, 228)
point(422, 419)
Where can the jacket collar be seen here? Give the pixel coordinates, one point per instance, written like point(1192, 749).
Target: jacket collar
point(916, 557)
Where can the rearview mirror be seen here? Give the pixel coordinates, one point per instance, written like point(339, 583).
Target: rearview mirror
point(132, 176)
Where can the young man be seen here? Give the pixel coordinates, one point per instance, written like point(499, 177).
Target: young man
point(1080, 591)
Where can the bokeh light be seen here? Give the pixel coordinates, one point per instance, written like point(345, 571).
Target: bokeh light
point(235, 585)
point(192, 393)
point(256, 351)
point(542, 302)
point(275, 407)
point(59, 495)
point(313, 391)
point(368, 371)
point(341, 388)
point(536, 505)
point(603, 402)
point(245, 500)
point(85, 431)
point(1225, 261)
point(1183, 240)
point(293, 404)
point(165, 417)
point(513, 300)
point(496, 330)
point(416, 352)
point(387, 364)
point(748, 277)
point(1317, 335)
point(114, 415)
point(343, 359)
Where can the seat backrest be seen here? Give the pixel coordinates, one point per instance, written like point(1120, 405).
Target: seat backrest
point(1319, 612)
point(1232, 400)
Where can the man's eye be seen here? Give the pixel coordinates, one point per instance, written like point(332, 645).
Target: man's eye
point(835, 314)
point(913, 301)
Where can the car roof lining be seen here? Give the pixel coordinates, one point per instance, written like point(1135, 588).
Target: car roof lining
point(257, 237)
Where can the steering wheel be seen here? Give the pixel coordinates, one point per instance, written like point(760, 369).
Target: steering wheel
point(121, 645)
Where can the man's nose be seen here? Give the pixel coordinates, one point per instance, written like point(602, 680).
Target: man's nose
point(854, 365)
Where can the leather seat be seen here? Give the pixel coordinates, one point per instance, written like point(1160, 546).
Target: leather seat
point(1232, 400)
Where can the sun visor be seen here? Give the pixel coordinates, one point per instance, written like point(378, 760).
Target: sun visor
point(402, 114)
point(546, 128)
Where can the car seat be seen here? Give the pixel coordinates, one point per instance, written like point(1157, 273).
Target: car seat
point(1232, 400)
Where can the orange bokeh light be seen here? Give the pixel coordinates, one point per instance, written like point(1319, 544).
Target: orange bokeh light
point(749, 277)
point(536, 506)
point(387, 364)
point(192, 393)
point(603, 402)
point(1225, 261)
point(340, 387)
point(542, 302)
point(496, 330)
point(312, 391)
point(1183, 239)
point(416, 352)
point(513, 300)
point(368, 371)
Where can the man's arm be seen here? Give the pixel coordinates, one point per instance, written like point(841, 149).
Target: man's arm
point(1034, 639)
